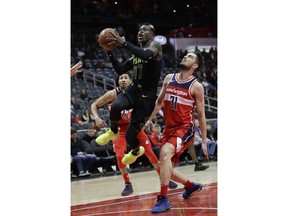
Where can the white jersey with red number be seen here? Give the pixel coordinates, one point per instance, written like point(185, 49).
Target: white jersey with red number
point(125, 114)
point(178, 102)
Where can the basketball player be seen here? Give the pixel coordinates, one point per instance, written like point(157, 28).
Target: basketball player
point(141, 94)
point(179, 94)
point(119, 144)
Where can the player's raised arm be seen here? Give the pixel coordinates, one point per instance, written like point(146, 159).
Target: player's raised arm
point(76, 67)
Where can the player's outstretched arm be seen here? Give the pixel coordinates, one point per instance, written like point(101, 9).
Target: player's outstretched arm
point(76, 67)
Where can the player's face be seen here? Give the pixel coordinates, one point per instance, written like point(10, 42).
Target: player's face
point(157, 129)
point(144, 33)
point(74, 135)
point(124, 81)
point(189, 60)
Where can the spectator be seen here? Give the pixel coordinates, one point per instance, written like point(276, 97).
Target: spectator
point(74, 105)
point(73, 92)
point(213, 142)
point(198, 165)
point(87, 116)
point(156, 136)
point(211, 145)
point(90, 135)
point(76, 119)
point(82, 159)
point(156, 139)
point(84, 94)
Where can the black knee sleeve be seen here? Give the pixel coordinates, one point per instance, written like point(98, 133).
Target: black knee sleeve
point(131, 136)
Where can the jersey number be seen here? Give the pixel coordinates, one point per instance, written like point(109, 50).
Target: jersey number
point(138, 71)
point(173, 102)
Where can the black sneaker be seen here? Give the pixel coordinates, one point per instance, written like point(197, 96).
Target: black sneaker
point(127, 190)
point(189, 192)
point(172, 185)
point(200, 167)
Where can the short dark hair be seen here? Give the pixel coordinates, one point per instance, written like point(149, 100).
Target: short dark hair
point(199, 59)
point(73, 131)
point(117, 78)
point(151, 27)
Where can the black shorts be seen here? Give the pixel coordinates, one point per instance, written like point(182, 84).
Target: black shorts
point(143, 103)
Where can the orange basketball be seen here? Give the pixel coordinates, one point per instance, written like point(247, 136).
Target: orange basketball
point(103, 38)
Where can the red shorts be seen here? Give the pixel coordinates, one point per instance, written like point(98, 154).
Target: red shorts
point(119, 146)
point(180, 138)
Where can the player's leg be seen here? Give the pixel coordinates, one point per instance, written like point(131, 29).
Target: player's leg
point(166, 153)
point(142, 110)
point(119, 149)
point(145, 142)
point(131, 138)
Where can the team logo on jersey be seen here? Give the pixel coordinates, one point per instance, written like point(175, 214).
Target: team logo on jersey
point(126, 114)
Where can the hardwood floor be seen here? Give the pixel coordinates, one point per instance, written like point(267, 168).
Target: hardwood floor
point(102, 195)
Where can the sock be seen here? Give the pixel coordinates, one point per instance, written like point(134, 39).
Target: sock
point(126, 178)
point(164, 190)
point(188, 184)
point(114, 126)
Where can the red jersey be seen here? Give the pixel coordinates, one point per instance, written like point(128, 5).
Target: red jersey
point(178, 102)
point(125, 114)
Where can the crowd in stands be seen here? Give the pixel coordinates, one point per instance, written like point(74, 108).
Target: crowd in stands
point(89, 158)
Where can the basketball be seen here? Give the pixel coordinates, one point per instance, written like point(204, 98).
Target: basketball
point(103, 38)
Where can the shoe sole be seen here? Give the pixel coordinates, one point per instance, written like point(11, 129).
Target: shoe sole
point(200, 169)
point(161, 211)
point(126, 194)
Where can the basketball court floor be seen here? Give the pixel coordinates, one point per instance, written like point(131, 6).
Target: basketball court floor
point(102, 195)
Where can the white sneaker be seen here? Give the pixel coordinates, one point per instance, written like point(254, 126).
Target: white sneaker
point(82, 173)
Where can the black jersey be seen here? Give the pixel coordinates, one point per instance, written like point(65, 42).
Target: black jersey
point(146, 73)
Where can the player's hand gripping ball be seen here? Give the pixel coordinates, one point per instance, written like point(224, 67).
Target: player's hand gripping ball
point(104, 41)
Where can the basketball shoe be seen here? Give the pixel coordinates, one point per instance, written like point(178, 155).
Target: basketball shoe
point(162, 204)
point(189, 192)
point(127, 190)
point(103, 139)
point(199, 166)
point(172, 185)
point(130, 158)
